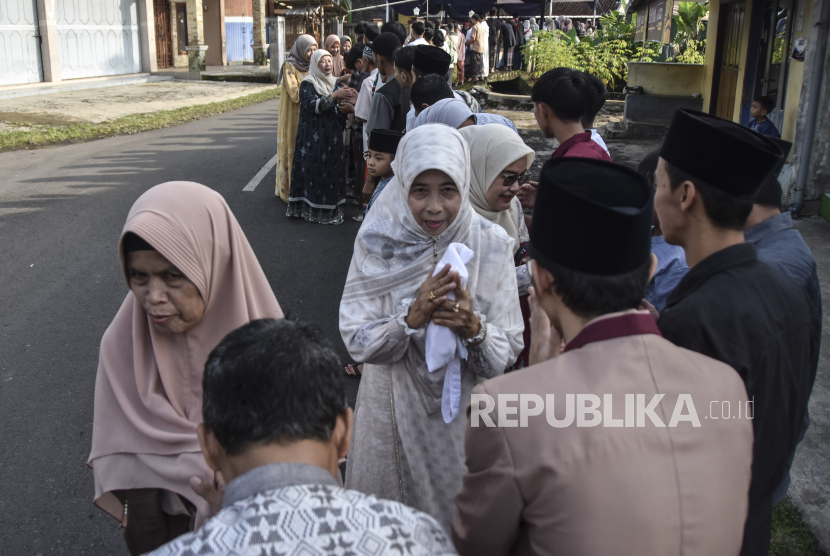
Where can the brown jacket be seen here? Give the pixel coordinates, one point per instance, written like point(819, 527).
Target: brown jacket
point(602, 490)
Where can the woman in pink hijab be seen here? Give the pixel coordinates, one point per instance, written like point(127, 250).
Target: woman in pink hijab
point(193, 278)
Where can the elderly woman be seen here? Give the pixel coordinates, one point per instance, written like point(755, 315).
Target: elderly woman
point(193, 278)
point(500, 163)
point(294, 71)
point(318, 187)
point(408, 441)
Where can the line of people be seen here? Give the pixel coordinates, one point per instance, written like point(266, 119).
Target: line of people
point(219, 427)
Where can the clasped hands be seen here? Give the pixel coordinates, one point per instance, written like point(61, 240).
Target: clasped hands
point(432, 302)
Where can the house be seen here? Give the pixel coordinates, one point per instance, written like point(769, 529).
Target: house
point(774, 48)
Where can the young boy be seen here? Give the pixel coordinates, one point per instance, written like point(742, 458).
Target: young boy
point(383, 144)
point(561, 97)
point(762, 106)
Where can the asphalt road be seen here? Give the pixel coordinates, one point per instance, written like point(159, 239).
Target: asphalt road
point(61, 213)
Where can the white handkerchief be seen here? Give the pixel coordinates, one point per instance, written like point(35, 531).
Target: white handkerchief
point(443, 347)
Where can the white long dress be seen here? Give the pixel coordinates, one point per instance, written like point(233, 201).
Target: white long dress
point(401, 447)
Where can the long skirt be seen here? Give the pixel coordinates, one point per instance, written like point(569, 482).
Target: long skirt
point(476, 64)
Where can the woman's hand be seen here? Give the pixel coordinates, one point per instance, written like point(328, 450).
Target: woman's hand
point(345, 108)
point(342, 92)
point(431, 295)
point(462, 321)
point(545, 341)
point(344, 78)
point(211, 490)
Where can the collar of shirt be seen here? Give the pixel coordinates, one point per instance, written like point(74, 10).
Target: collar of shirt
point(274, 475)
point(768, 227)
point(578, 138)
point(616, 325)
point(731, 257)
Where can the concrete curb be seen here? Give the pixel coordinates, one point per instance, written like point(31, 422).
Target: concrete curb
point(17, 91)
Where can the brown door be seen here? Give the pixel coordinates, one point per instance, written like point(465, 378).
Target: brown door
point(164, 48)
point(731, 28)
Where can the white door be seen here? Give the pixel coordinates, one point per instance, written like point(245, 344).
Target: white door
point(19, 43)
point(98, 37)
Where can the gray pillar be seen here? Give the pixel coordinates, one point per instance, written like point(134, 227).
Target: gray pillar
point(147, 35)
point(277, 34)
point(50, 48)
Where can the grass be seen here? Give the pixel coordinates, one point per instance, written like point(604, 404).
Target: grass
point(75, 133)
point(790, 535)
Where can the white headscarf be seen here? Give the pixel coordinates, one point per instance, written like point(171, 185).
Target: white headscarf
point(447, 111)
point(494, 147)
point(392, 251)
point(323, 84)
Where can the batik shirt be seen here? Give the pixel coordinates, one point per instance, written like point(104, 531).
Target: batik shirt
point(295, 508)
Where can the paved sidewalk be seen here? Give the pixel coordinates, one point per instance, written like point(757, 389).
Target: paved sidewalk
point(102, 104)
point(810, 486)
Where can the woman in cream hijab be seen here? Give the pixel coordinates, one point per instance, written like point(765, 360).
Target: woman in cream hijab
point(193, 278)
point(404, 446)
point(293, 72)
point(499, 162)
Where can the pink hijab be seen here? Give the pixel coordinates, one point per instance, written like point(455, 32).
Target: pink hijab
point(148, 390)
point(337, 61)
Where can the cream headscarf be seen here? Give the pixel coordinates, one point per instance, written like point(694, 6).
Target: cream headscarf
point(148, 390)
point(323, 84)
point(494, 147)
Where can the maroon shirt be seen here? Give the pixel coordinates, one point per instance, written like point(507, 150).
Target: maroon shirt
point(581, 145)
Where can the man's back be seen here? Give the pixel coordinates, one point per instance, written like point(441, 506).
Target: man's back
point(613, 488)
point(291, 508)
point(738, 310)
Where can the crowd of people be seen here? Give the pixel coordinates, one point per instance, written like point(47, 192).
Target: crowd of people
point(599, 361)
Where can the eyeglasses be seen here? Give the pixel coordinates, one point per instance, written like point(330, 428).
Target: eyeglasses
point(511, 177)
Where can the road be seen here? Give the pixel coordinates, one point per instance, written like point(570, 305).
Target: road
point(61, 213)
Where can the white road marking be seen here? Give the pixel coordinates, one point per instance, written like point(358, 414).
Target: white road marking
point(261, 174)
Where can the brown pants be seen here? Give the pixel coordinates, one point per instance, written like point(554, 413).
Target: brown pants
point(148, 527)
point(460, 77)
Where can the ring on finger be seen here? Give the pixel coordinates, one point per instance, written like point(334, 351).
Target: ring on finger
point(431, 295)
point(455, 308)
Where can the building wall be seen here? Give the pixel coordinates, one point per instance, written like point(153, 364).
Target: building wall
point(795, 82)
point(709, 55)
point(215, 33)
point(666, 78)
point(818, 174)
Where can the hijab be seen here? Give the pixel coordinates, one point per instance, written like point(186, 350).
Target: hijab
point(148, 389)
point(297, 53)
point(337, 61)
point(448, 111)
point(323, 84)
point(393, 255)
point(392, 250)
point(494, 147)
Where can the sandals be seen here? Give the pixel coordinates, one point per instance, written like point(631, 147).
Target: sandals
point(354, 370)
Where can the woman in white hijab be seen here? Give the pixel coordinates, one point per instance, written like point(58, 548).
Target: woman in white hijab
point(405, 446)
point(455, 113)
point(500, 163)
point(318, 185)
